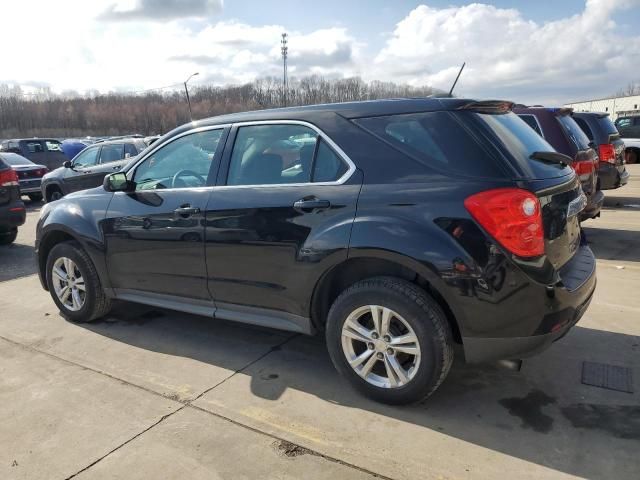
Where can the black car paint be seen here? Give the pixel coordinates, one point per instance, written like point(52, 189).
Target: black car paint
point(266, 261)
point(51, 159)
point(600, 130)
point(12, 210)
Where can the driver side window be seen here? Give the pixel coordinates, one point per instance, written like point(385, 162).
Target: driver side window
point(183, 163)
point(86, 158)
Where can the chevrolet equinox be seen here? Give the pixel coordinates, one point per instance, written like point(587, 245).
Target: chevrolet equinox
point(398, 228)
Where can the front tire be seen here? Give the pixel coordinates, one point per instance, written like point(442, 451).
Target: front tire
point(390, 339)
point(74, 284)
point(35, 197)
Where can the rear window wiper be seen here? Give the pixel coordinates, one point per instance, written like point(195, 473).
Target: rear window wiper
point(551, 157)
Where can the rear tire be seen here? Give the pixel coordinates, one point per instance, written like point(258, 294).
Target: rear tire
point(84, 300)
point(35, 197)
point(9, 237)
point(415, 337)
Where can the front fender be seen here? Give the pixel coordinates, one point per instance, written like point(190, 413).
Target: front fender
point(78, 216)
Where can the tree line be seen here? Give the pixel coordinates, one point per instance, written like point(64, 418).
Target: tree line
point(69, 114)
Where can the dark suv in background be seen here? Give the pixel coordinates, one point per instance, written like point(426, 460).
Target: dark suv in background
point(88, 168)
point(396, 227)
point(41, 151)
point(601, 131)
point(12, 211)
point(557, 126)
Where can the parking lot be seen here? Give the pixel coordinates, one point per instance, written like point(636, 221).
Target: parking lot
point(151, 393)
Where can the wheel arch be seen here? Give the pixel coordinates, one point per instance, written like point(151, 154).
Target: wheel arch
point(374, 264)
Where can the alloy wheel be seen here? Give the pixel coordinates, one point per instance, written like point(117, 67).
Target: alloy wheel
point(68, 284)
point(380, 346)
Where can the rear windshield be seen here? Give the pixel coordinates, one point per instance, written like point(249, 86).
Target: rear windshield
point(438, 140)
point(607, 125)
point(517, 141)
point(574, 132)
point(14, 159)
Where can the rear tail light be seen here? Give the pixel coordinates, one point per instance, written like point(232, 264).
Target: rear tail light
point(512, 216)
point(584, 168)
point(8, 178)
point(41, 172)
point(607, 153)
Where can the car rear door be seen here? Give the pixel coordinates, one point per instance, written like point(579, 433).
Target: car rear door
point(110, 160)
point(155, 235)
point(281, 214)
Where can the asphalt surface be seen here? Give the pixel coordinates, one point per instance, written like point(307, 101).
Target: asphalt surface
point(151, 393)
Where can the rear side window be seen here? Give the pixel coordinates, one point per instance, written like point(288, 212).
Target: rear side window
point(327, 166)
point(585, 128)
point(53, 146)
point(33, 146)
point(130, 149)
point(111, 153)
point(574, 132)
point(516, 140)
point(436, 139)
point(532, 121)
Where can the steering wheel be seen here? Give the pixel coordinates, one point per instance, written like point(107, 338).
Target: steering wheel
point(190, 173)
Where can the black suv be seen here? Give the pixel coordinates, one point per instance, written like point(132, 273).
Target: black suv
point(396, 227)
point(88, 168)
point(605, 137)
point(12, 211)
point(558, 127)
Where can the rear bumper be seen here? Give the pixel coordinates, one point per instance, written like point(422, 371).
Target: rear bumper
point(611, 176)
point(30, 186)
point(571, 298)
point(594, 206)
point(12, 216)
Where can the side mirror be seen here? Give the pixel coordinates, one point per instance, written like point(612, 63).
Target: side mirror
point(67, 164)
point(118, 182)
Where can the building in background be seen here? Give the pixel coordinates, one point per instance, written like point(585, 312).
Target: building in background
point(614, 106)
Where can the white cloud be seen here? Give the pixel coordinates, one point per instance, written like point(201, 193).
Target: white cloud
point(69, 45)
point(508, 54)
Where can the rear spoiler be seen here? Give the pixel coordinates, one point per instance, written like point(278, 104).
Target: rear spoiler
point(488, 106)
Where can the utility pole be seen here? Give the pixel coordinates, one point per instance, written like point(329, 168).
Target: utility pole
point(186, 91)
point(284, 49)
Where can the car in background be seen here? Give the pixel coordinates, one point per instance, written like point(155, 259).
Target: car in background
point(88, 168)
point(29, 174)
point(41, 151)
point(629, 128)
point(557, 127)
point(603, 134)
point(12, 211)
point(394, 228)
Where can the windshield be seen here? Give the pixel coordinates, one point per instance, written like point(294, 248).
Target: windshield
point(518, 141)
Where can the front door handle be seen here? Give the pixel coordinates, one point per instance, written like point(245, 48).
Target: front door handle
point(186, 210)
point(311, 204)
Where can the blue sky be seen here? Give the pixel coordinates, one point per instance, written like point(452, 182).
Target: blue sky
point(531, 51)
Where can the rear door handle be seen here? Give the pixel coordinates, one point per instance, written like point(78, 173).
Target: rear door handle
point(311, 204)
point(186, 210)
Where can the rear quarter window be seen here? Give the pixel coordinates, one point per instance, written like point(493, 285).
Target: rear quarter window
point(574, 132)
point(438, 140)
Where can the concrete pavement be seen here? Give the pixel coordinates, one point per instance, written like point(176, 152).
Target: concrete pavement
point(150, 393)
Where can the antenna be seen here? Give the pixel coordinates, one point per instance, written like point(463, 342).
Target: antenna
point(284, 49)
point(456, 80)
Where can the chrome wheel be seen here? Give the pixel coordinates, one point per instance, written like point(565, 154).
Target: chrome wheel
point(381, 346)
point(68, 284)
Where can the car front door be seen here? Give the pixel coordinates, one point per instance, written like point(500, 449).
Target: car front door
point(155, 235)
point(280, 216)
point(75, 178)
point(111, 159)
